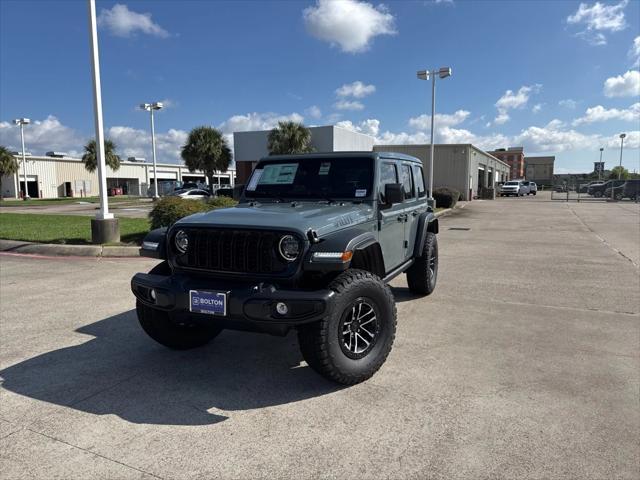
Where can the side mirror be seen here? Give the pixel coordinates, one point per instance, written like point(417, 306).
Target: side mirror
point(393, 193)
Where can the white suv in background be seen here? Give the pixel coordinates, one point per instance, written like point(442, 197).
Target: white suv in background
point(516, 188)
point(533, 188)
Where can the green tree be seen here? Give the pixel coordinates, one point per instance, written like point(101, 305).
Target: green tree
point(8, 164)
point(90, 157)
point(288, 138)
point(207, 150)
point(624, 173)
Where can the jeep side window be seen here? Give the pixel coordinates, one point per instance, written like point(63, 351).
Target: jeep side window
point(388, 174)
point(407, 181)
point(418, 176)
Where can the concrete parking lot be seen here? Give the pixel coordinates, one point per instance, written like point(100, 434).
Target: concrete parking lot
point(525, 363)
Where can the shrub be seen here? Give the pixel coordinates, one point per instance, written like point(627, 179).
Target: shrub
point(446, 197)
point(221, 202)
point(169, 210)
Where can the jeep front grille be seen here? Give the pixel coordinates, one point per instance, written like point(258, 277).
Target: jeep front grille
point(234, 251)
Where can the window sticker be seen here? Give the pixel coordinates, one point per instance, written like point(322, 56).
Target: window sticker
point(361, 192)
point(278, 174)
point(324, 168)
point(253, 183)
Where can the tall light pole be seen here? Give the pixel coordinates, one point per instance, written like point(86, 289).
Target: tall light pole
point(151, 107)
point(22, 122)
point(104, 228)
point(601, 166)
point(622, 135)
point(442, 72)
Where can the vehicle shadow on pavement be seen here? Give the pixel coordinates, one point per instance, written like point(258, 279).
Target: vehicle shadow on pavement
point(122, 372)
point(403, 294)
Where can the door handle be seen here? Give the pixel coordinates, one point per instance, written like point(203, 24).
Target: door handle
point(414, 213)
point(401, 218)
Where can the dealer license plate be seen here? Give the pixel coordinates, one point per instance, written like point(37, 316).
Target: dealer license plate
point(210, 303)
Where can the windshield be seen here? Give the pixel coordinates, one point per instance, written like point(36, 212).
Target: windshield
point(512, 183)
point(318, 178)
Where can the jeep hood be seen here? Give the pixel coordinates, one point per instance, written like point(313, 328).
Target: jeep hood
point(298, 216)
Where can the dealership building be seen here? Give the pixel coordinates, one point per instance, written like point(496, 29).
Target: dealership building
point(56, 175)
point(462, 166)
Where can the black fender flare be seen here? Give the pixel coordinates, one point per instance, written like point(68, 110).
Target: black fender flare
point(427, 222)
point(350, 239)
point(154, 244)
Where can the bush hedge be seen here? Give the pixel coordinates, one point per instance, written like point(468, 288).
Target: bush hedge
point(169, 210)
point(446, 197)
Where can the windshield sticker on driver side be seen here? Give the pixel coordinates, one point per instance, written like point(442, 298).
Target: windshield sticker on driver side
point(361, 192)
point(324, 168)
point(253, 183)
point(278, 174)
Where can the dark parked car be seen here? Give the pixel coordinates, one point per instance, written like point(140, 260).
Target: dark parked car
point(311, 246)
point(598, 190)
point(631, 189)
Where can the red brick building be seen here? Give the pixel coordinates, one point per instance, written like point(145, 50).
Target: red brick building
point(514, 157)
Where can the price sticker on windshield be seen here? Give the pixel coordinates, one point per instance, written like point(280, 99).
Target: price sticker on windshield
point(361, 192)
point(255, 178)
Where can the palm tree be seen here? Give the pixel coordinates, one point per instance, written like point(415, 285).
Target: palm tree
point(90, 158)
point(8, 164)
point(207, 150)
point(289, 137)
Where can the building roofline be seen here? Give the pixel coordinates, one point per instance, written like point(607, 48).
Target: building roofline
point(469, 145)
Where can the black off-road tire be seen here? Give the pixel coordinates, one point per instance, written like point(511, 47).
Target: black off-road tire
point(159, 325)
point(322, 343)
point(422, 276)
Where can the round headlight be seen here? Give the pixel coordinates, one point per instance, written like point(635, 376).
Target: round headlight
point(182, 241)
point(289, 248)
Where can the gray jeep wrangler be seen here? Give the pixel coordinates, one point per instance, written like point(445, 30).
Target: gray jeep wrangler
point(311, 246)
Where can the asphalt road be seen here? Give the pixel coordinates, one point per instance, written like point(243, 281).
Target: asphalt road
point(525, 363)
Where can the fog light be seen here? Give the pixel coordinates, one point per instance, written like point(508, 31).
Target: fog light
point(282, 308)
point(152, 294)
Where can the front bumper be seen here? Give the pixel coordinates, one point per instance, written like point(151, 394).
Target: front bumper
point(247, 302)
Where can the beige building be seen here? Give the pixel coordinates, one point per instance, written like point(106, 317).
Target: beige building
point(55, 177)
point(463, 166)
point(540, 169)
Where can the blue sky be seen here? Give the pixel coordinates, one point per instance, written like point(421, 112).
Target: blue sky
point(559, 77)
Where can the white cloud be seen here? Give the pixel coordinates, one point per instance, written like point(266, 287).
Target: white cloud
point(423, 122)
point(349, 24)
point(257, 121)
point(42, 136)
point(356, 89)
point(313, 111)
point(501, 118)
point(598, 18)
point(601, 114)
point(133, 142)
point(511, 100)
point(632, 140)
point(370, 126)
point(626, 85)
point(537, 108)
point(634, 52)
point(122, 22)
point(348, 105)
point(554, 137)
point(568, 103)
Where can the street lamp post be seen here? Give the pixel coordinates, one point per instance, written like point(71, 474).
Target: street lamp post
point(442, 72)
point(151, 107)
point(104, 227)
point(622, 135)
point(601, 167)
point(22, 122)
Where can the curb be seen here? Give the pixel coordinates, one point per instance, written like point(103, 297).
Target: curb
point(50, 249)
point(14, 246)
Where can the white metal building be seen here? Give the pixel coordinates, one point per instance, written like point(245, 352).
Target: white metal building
point(54, 177)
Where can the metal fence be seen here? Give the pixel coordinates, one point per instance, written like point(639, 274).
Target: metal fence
point(578, 190)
